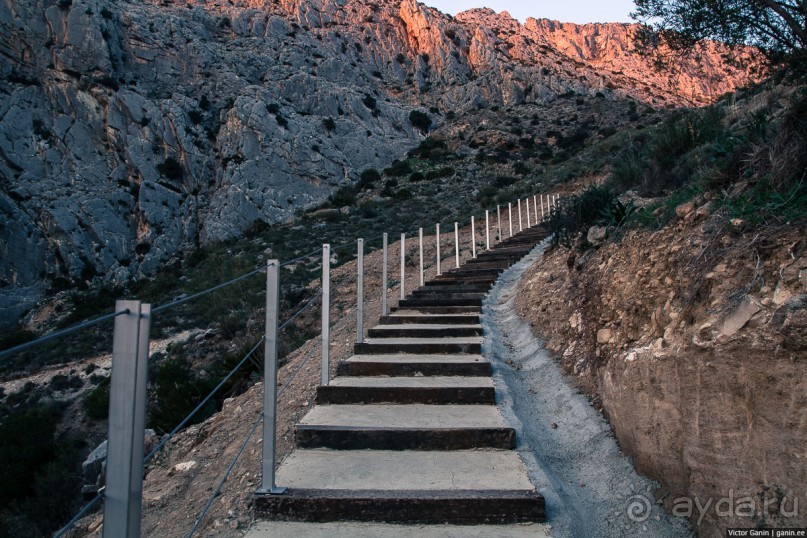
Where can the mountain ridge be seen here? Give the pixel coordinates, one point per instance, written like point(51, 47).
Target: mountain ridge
point(133, 133)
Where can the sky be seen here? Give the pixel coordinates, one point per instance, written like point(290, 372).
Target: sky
point(578, 11)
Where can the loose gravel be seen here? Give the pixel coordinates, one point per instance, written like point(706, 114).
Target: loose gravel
point(591, 488)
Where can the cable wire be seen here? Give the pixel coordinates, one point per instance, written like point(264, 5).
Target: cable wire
point(207, 291)
point(63, 332)
point(61, 532)
point(244, 445)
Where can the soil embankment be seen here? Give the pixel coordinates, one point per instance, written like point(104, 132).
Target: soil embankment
point(692, 341)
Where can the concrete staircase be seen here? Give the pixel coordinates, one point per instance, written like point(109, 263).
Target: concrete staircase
point(409, 431)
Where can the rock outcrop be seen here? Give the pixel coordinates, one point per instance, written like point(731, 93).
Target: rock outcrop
point(132, 132)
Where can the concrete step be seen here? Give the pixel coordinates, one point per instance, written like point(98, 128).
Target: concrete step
point(375, 346)
point(404, 427)
point(462, 486)
point(447, 294)
point(451, 288)
point(401, 364)
point(434, 390)
point(438, 310)
point(421, 330)
point(413, 316)
point(416, 303)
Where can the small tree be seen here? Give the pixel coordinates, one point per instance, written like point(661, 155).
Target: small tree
point(777, 27)
point(420, 120)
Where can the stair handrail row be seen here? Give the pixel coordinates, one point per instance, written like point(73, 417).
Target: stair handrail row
point(132, 325)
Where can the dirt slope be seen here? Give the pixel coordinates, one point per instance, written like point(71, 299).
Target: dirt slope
point(692, 340)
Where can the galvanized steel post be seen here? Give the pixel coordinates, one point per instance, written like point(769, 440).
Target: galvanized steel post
point(437, 236)
point(510, 217)
point(403, 266)
point(473, 238)
point(420, 236)
point(535, 208)
point(360, 294)
point(326, 313)
point(384, 280)
point(270, 380)
point(528, 212)
point(487, 230)
point(542, 208)
point(457, 242)
point(499, 219)
point(127, 417)
point(520, 227)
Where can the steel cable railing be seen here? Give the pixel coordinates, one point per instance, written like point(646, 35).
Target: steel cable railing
point(63, 332)
point(250, 355)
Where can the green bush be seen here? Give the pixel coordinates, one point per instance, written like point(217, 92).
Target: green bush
point(176, 393)
point(345, 196)
point(329, 124)
point(578, 213)
point(420, 120)
point(398, 169)
point(368, 178)
point(96, 403)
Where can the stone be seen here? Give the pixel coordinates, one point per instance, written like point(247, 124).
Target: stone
point(182, 467)
point(685, 209)
point(605, 336)
point(596, 235)
point(737, 319)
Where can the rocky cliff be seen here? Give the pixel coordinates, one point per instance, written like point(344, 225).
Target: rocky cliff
point(132, 132)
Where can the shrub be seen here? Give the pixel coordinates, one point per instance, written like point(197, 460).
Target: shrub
point(431, 148)
point(329, 124)
point(195, 117)
point(345, 196)
point(398, 169)
point(370, 102)
point(417, 176)
point(170, 168)
point(578, 213)
point(96, 403)
point(368, 178)
point(420, 120)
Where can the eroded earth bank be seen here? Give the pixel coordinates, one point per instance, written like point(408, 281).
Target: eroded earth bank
point(691, 340)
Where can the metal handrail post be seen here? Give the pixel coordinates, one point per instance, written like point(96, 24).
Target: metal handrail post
point(384, 279)
point(403, 266)
point(520, 227)
point(127, 418)
point(270, 380)
point(360, 294)
point(457, 242)
point(473, 238)
point(528, 212)
point(326, 314)
point(439, 272)
point(510, 216)
point(487, 230)
point(420, 238)
point(499, 220)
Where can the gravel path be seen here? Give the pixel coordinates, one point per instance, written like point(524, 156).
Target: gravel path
point(591, 488)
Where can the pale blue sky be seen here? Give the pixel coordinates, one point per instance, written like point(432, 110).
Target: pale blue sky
point(579, 11)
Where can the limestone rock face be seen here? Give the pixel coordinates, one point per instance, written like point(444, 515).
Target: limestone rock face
point(133, 131)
